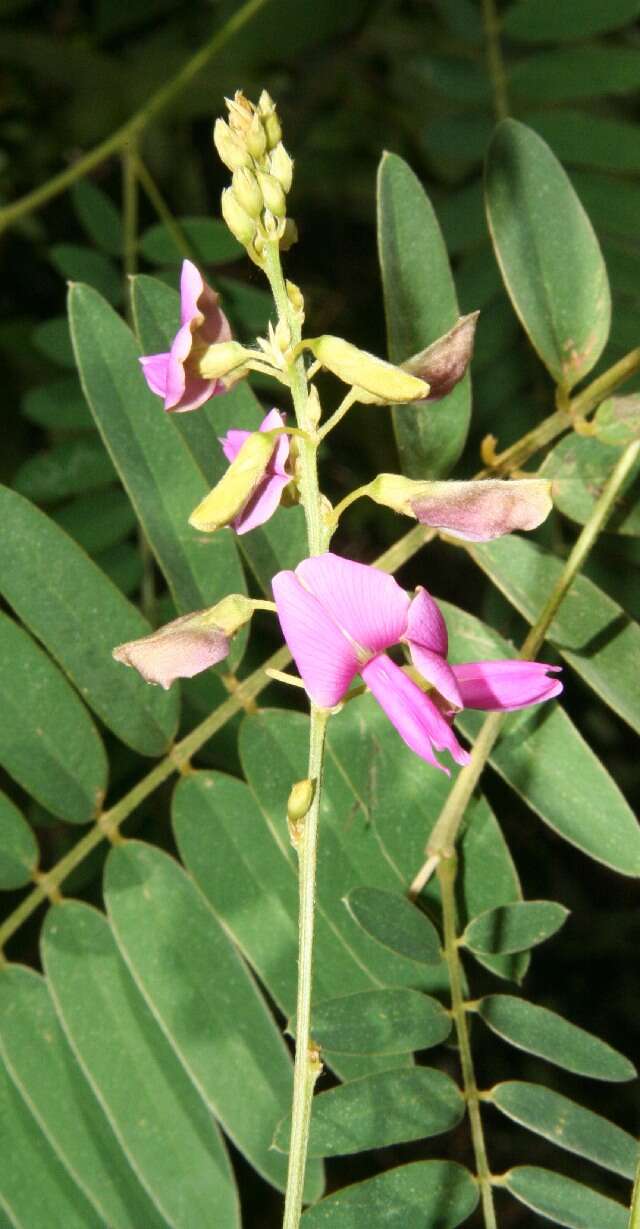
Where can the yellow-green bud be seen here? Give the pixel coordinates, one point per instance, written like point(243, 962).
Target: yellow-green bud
point(220, 359)
point(246, 191)
point(232, 151)
point(289, 235)
point(314, 409)
point(235, 488)
point(270, 121)
point(241, 225)
point(272, 227)
point(274, 197)
point(382, 380)
point(240, 112)
point(295, 297)
point(230, 614)
point(300, 800)
point(256, 137)
point(281, 167)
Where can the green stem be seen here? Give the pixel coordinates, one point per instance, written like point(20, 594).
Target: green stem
point(447, 877)
point(338, 414)
point(494, 59)
point(442, 840)
point(634, 1210)
point(156, 199)
point(137, 122)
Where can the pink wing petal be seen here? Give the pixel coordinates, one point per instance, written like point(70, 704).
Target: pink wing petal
point(154, 369)
point(413, 714)
point(506, 684)
point(191, 287)
point(368, 604)
point(232, 443)
point(196, 392)
point(425, 625)
point(273, 419)
point(437, 671)
point(263, 503)
point(324, 657)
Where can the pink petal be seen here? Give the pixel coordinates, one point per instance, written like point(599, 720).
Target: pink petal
point(437, 671)
point(191, 287)
point(232, 443)
point(368, 604)
point(325, 658)
point(154, 369)
point(234, 439)
point(426, 625)
point(263, 502)
point(180, 649)
point(413, 714)
point(478, 511)
point(506, 684)
point(196, 392)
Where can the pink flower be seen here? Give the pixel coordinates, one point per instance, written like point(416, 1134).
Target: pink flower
point(338, 617)
point(201, 321)
point(265, 498)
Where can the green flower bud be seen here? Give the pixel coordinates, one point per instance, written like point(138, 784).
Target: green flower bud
point(274, 197)
point(256, 138)
point(235, 488)
point(246, 191)
point(281, 167)
point(270, 121)
point(241, 225)
point(300, 800)
point(289, 235)
point(377, 378)
point(220, 359)
point(232, 152)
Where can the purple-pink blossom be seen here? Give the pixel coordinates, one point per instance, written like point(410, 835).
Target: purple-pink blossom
point(339, 618)
point(202, 323)
point(266, 497)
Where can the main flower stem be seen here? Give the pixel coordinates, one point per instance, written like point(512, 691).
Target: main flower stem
point(307, 1063)
point(442, 840)
point(447, 877)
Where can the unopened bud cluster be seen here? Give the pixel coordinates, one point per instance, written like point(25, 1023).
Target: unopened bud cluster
point(250, 145)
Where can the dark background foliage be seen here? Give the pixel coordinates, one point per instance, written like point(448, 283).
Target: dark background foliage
point(352, 79)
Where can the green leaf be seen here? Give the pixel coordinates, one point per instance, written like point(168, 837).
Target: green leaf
point(158, 473)
point(232, 849)
point(537, 21)
point(148, 1099)
point(282, 542)
point(48, 742)
point(70, 468)
point(49, 1079)
point(579, 467)
point(391, 1107)
point(564, 1201)
point(568, 1125)
point(566, 73)
point(210, 241)
point(598, 640)
point(548, 253)
point(420, 1195)
point(420, 305)
point(81, 264)
point(249, 307)
point(204, 1000)
point(79, 615)
point(123, 565)
point(98, 215)
point(514, 928)
point(34, 1192)
point(540, 1031)
point(617, 421)
point(52, 339)
point(396, 923)
point(582, 139)
point(97, 520)
point(394, 1021)
point(58, 406)
point(18, 846)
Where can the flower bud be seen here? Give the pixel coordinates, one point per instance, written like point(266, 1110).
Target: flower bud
point(300, 799)
point(187, 645)
point(296, 299)
point(375, 376)
point(289, 235)
point(241, 113)
point(246, 191)
point(219, 360)
point(227, 499)
point(270, 121)
point(232, 152)
point(445, 361)
point(475, 511)
point(256, 138)
point(314, 408)
point(281, 167)
point(274, 197)
point(241, 225)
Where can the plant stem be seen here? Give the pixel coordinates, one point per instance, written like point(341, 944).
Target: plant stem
point(442, 840)
point(634, 1210)
point(135, 124)
point(307, 1065)
point(447, 876)
point(494, 59)
point(156, 199)
point(338, 414)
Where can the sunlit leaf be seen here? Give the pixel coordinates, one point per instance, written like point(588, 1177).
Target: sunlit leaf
point(18, 846)
point(394, 1021)
point(514, 928)
point(579, 467)
point(396, 923)
point(420, 1195)
point(540, 1031)
point(564, 1201)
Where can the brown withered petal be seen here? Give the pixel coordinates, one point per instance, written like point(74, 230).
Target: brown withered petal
point(481, 510)
point(180, 649)
point(443, 363)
